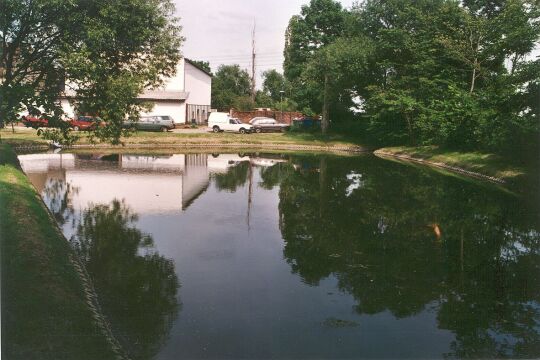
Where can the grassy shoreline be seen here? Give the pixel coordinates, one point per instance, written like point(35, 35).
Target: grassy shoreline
point(486, 166)
point(28, 137)
point(45, 314)
point(491, 167)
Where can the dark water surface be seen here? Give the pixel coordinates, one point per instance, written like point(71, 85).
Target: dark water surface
point(296, 256)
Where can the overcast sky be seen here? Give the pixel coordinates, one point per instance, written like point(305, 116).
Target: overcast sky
point(219, 31)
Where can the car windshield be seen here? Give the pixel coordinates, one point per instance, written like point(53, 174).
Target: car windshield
point(235, 121)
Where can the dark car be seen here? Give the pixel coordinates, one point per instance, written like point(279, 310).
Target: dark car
point(85, 123)
point(267, 125)
point(34, 122)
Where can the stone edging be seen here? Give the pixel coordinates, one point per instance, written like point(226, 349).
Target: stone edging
point(454, 169)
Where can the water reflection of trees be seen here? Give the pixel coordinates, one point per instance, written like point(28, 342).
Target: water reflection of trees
point(137, 287)
point(57, 194)
point(482, 274)
point(235, 177)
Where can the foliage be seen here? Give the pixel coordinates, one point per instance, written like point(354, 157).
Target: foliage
point(229, 83)
point(319, 24)
point(457, 74)
point(107, 57)
point(205, 65)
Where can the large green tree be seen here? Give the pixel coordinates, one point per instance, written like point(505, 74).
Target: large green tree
point(228, 85)
point(450, 73)
point(319, 24)
point(108, 51)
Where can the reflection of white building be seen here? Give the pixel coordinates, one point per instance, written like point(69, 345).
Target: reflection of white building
point(149, 184)
point(185, 97)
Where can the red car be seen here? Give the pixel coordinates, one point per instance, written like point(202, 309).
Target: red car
point(85, 123)
point(34, 122)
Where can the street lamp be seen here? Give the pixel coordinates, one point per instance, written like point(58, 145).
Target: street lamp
point(281, 92)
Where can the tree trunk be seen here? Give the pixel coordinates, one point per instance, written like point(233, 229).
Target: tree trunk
point(472, 80)
point(325, 120)
point(409, 128)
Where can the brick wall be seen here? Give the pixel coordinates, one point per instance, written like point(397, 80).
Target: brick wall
point(285, 118)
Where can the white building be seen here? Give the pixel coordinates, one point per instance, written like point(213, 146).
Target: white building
point(185, 97)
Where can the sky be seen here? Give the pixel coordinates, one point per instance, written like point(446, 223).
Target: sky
point(219, 31)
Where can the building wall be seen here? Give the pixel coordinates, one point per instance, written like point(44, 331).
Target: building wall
point(67, 108)
point(177, 82)
point(176, 109)
point(198, 84)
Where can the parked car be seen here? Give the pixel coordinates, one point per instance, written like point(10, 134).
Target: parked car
point(34, 122)
point(85, 123)
point(156, 122)
point(219, 121)
point(259, 118)
point(267, 125)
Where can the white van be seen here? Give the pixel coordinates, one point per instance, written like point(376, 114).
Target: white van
point(220, 121)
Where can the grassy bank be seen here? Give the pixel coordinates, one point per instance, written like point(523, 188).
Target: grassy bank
point(513, 172)
point(29, 137)
point(44, 312)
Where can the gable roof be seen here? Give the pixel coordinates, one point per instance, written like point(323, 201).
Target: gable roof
point(191, 62)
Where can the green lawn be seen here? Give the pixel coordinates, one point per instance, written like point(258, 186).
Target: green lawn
point(44, 311)
point(512, 171)
point(27, 136)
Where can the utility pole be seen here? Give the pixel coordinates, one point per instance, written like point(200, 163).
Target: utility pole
point(281, 92)
point(253, 63)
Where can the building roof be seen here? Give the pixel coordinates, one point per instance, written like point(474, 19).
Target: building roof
point(194, 64)
point(163, 95)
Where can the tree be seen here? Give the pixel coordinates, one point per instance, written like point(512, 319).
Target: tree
point(205, 65)
point(107, 57)
point(229, 83)
point(274, 83)
point(319, 24)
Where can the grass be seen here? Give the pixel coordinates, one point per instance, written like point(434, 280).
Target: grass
point(44, 313)
point(28, 137)
point(509, 170)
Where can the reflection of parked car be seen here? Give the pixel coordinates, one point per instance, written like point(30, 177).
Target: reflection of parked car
point(157, 122)
point(219, 121)
point(34, 122)
point(267, 124)
point(85, 123)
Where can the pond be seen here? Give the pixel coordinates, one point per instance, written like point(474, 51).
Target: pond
point(256, 255)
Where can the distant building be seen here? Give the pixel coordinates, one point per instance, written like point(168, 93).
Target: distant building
point(185, 97)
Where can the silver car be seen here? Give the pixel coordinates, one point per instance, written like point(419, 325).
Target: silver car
point(156, 122)
point(267, 124)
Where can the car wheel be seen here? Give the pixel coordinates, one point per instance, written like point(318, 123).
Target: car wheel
point(215, 129)
point(258, 130)
point(164, 129)
point(242, 131)
point(283, 129)
point(76, 128)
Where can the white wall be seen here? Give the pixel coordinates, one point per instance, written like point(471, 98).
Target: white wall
point(198, 84)
point(67, 108)
point(176, 109)
point(176, 83)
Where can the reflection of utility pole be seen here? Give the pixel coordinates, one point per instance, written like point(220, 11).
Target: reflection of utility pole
point(253, 63)
point(250, 193)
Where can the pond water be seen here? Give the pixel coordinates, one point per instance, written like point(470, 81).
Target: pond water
point(298, 256)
